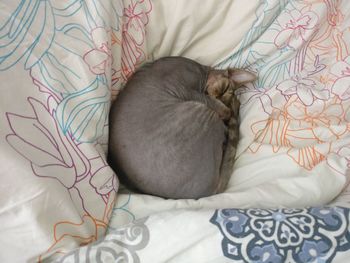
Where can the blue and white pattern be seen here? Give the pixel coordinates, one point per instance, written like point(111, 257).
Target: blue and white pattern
point(283, 235)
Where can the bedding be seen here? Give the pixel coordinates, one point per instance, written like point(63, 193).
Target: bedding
point(294, 127)
point(61, 63)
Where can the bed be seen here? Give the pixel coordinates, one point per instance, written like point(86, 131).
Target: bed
point(63, 62)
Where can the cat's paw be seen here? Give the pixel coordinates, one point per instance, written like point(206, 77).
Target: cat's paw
point(224, 113)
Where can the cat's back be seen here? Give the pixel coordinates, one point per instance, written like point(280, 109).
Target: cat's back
point(165, 77)
point(160, 135)
point(154, 91)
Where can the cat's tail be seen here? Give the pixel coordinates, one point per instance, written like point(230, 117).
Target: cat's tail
point(230, 147)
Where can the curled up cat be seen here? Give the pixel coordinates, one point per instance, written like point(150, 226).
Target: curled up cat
point(174, 128)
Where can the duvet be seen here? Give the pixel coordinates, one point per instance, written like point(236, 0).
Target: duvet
point(63, 62)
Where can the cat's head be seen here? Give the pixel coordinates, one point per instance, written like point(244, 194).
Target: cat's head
point(221, 84)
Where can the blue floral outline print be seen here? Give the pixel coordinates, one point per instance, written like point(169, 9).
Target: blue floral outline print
point(41, 34)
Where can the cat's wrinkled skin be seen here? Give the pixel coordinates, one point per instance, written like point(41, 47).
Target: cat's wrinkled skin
point(168, 128)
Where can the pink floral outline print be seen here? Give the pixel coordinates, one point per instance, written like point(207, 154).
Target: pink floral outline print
point(269, 98)
point(103, 180)
point(133, 37)
point(297, 27)
point(99, 59)
point(307, 89)
point(341, 86)
point(51, 153)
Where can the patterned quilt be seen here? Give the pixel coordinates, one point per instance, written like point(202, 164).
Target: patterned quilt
point(61, 64)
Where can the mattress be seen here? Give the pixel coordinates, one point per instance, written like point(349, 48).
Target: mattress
point(61, 65)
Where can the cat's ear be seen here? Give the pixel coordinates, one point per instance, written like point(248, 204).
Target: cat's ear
point(241, 76)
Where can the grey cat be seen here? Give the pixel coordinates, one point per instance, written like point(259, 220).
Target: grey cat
point(168, 128)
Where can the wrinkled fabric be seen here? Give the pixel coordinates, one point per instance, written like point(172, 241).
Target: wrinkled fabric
point(294, 131)
point(61, 63)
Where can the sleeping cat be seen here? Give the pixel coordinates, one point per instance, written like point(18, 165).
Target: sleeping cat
point(168, 128)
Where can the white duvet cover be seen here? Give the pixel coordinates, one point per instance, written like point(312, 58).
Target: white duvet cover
point(293, 150)
point(61, 62)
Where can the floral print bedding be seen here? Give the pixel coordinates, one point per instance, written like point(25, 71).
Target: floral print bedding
point(63, 62)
